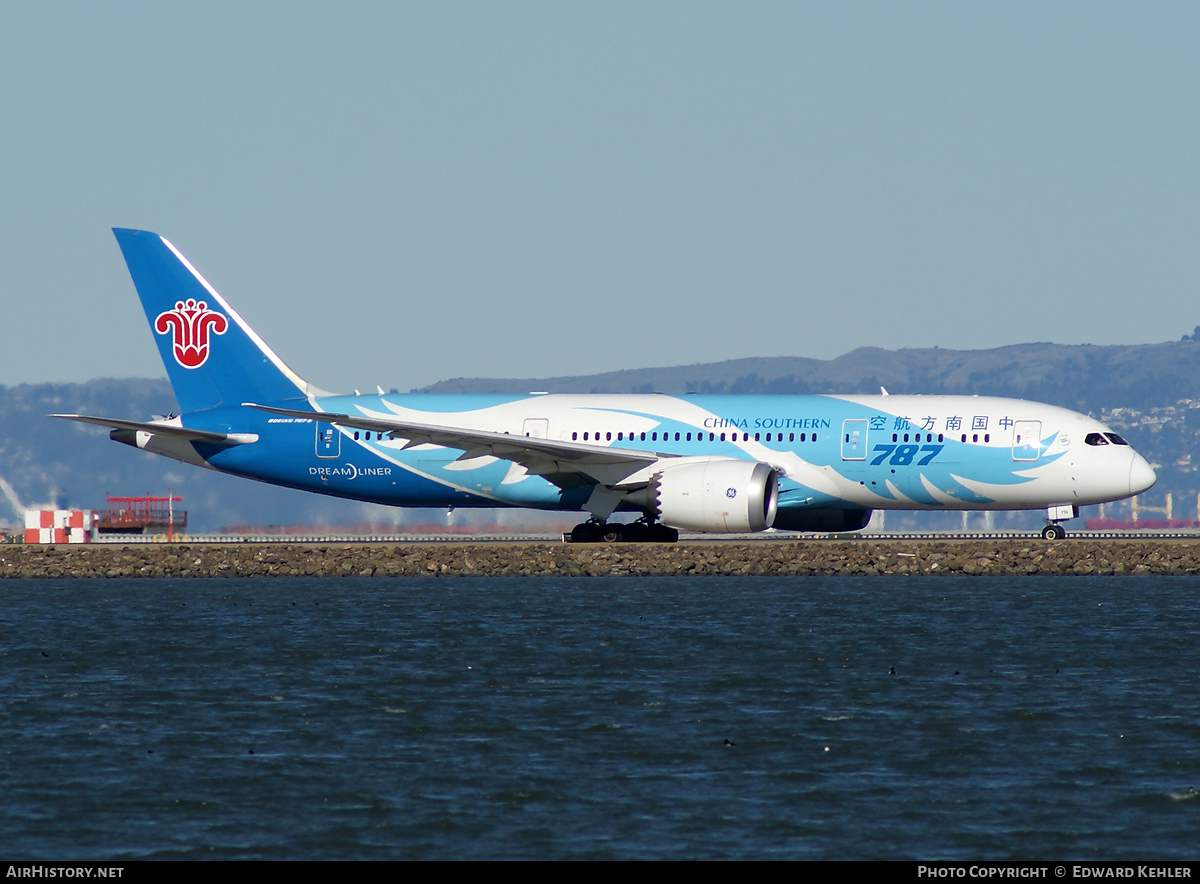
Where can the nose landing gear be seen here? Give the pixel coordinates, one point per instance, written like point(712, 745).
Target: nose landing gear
point(1055, 515)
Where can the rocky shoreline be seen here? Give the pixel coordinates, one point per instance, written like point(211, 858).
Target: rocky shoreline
point(1024, 556)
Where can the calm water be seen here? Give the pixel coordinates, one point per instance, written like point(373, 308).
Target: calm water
point(1027, 718)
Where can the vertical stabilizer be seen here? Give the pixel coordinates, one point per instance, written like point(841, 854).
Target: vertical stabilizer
point(212, 356)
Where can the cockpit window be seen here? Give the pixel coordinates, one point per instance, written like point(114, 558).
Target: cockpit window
point(1115, 439)
point(1095, 439)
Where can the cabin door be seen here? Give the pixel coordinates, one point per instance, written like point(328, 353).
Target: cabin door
point(329, 441)
point(1027, 440)
point(854, 440)
point(537, 428)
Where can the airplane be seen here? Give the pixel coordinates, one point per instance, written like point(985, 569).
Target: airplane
point(706, 463)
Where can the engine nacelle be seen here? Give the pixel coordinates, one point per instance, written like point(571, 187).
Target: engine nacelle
point(718, 496)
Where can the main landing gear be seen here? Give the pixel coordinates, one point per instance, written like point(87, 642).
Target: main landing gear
point(1055, 515)
point(593, 531)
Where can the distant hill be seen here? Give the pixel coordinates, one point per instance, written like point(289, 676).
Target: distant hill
point(1086, 378)
point(1150, 392)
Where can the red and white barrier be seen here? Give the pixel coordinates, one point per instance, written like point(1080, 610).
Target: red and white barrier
point(59, 526)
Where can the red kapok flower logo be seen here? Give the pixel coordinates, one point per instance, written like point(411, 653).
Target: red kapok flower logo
point(190, 324)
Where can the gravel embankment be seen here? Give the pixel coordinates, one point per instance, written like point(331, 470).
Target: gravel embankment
point(861, 557)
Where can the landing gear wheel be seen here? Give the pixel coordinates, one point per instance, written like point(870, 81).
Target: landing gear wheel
point(612, 533)
point(1054, 532)
point(650, 532)
point(585, 532)
point(637, 532)
point(633, 532)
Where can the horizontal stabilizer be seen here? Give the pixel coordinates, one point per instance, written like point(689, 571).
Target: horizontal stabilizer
point(164, 429)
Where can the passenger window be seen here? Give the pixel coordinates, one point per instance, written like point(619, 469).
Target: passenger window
point(791, 437)
point(574, 436)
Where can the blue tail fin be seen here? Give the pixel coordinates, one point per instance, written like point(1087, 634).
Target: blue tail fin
point(212, 356)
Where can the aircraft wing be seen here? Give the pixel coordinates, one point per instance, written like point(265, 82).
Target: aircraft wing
point(164, 430)
point(566, 464)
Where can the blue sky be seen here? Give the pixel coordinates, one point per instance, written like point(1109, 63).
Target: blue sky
point(396, 193)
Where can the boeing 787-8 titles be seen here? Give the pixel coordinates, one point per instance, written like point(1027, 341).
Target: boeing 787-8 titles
point(719, 464)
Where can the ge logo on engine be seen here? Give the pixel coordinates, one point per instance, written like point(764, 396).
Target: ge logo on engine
point(731, 492)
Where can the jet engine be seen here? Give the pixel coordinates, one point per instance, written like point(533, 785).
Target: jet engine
point(718, 496)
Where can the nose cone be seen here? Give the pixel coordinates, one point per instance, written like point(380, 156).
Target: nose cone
point(1141, 475)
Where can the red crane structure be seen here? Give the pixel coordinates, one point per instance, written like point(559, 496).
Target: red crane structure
point(142, 515)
